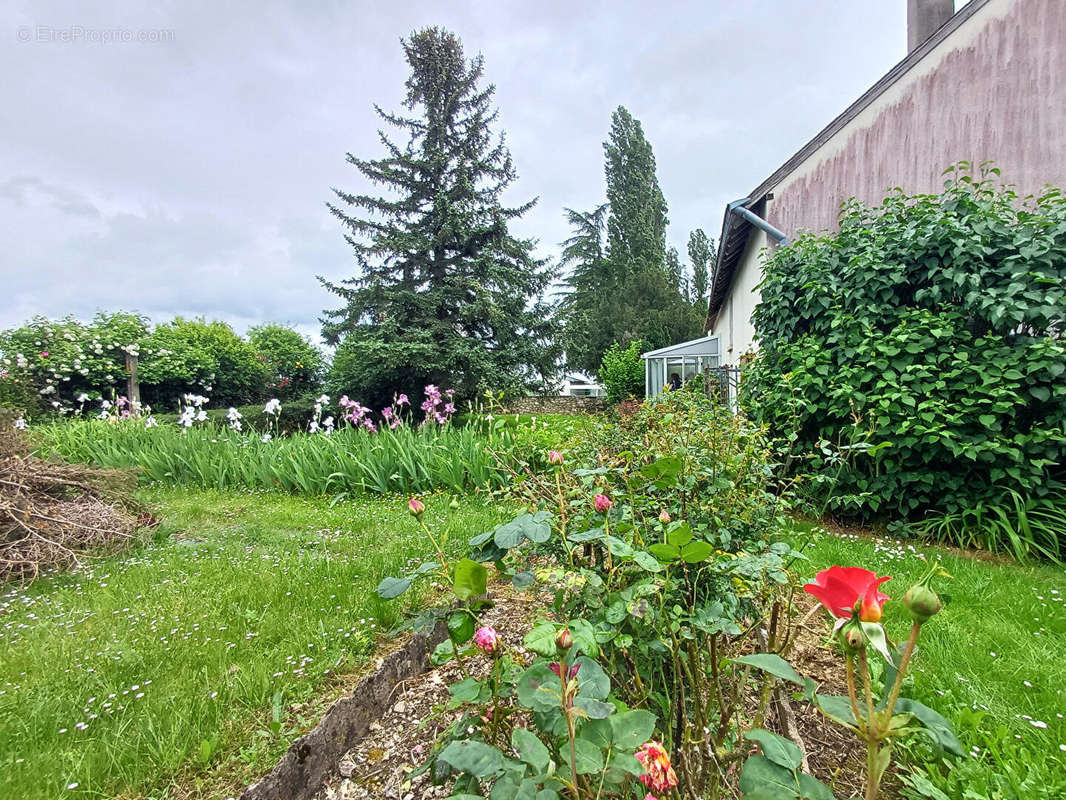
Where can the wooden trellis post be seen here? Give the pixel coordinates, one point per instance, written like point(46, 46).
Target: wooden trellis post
point(133, 389)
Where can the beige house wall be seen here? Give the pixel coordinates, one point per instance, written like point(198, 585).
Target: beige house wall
point(994, 90)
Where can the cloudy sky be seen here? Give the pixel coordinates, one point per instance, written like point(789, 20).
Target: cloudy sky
point(188, 173)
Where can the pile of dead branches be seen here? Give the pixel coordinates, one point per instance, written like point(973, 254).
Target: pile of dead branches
point(53, 515)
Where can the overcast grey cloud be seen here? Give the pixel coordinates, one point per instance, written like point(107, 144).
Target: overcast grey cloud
point(188, 173)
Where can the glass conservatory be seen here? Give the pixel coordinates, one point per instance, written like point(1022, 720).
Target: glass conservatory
point(679, 363)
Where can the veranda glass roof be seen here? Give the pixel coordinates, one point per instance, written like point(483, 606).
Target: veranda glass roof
point(679, 363)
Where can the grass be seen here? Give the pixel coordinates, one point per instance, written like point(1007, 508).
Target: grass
point(993, 662)
point(162, 665)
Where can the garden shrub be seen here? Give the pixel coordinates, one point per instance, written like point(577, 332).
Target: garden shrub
point(661, 553)
point(184, 354)
point(294, 365)
point(914, 360)
point(622, 371)
point(52, 362)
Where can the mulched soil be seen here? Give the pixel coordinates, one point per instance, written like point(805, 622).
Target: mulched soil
point(380, 766)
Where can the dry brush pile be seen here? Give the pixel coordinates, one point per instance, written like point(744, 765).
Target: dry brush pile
point(53, 515)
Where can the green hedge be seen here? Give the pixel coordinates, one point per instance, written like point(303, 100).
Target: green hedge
point(915, 359)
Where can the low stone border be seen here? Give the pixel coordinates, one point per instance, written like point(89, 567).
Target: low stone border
point(299, 774)
point(563, 404)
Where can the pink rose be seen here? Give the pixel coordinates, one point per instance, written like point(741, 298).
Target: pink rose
point(602, 503)
point(487, 641)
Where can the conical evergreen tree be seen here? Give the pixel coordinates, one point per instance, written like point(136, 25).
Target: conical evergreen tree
point(444, 293)
point(588, 288)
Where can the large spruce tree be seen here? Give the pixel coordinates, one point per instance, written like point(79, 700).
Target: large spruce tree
point(444, 293)
point(629, 289)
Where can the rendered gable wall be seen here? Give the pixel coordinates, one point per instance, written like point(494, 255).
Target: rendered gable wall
point(995, 89)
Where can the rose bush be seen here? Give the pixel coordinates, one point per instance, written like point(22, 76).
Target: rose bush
point(661, 553)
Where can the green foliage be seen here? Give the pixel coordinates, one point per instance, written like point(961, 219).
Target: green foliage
point(350, 460)
point(205, 675)
point(925, 339)
point(1021, 527)
point(992, 666)
point(17, 393)
point(444, 294)
point(701, 252)
point(623, 285)
point(197, 353)
point(661, 601)
point(52, 362)
point(636, 226)
point(294, 365)
point(622, 372)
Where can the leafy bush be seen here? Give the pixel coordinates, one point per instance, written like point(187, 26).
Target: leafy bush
point(295, 366)
point(661, 555)
point(915, 358)
point(17, 394)
point(56, 362)
point(622, 371)
point(184, 354)
point(52, 362)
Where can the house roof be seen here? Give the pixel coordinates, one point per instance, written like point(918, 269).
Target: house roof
point(705, 345)
point(735, 230)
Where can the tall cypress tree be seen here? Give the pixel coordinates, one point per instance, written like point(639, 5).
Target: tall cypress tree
point(674, 271)
point(701, 253)
point(444, 293)
point(636, 227)
point(638, 292)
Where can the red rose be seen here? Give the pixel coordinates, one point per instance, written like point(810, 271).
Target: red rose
point(842, 589)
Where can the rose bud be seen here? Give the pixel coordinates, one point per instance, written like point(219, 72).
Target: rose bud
point(564, 640)
point(555, 457)
point(602, 503)
point(487, 640)
point(870, 606)
point(416, 507)
point(664, 516)
point(852, 638)
point(922, 602)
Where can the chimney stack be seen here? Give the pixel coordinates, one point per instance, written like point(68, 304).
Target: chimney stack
point(924, 17)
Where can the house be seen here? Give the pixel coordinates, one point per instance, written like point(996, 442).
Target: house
point(985, 83)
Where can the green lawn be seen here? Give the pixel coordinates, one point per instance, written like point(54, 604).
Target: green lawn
point(158, 668)
point(163, 663)
point(993, 662)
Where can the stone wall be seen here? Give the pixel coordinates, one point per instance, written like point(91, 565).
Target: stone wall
point(555, 405)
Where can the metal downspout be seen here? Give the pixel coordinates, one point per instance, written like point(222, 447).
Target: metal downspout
point(737, 207)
